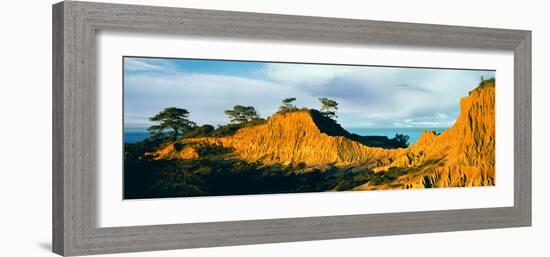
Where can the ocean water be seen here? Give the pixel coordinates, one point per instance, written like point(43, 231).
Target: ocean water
point(132, 135)
point(413, 133)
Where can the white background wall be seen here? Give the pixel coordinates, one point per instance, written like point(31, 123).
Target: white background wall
point(25, 130)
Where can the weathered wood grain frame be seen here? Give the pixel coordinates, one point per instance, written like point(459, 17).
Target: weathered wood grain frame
point(75, 25)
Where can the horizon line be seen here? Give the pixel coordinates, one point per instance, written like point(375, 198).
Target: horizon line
point(348, 127)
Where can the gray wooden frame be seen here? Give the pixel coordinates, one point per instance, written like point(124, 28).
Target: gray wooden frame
point(74, 129)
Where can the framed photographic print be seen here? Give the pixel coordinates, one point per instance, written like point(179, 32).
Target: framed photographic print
point(183, 128)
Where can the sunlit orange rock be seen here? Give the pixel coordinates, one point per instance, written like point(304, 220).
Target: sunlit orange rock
point(462, 155)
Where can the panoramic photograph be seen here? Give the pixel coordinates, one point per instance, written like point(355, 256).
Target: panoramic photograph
point(196, 127)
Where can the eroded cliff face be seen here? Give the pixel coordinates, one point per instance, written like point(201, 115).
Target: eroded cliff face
point(463, 155)
point(288, 139)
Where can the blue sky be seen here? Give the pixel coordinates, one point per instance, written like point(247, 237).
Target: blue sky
point(368, 96)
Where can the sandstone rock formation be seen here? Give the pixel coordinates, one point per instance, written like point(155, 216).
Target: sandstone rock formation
point(463, 155)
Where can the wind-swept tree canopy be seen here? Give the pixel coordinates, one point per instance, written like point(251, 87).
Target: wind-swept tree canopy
point(328, 107)
point(401, 140)
point(199, 131)
point(287, 105)
point(242, 114)
point(174, 119)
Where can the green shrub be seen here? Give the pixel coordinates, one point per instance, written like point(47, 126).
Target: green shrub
point(202, 131)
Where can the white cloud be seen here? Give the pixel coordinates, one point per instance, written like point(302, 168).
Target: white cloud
point(205, 96)
point(134, 64)
point(382, 95)
point(305, 73)
point(367, 96)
